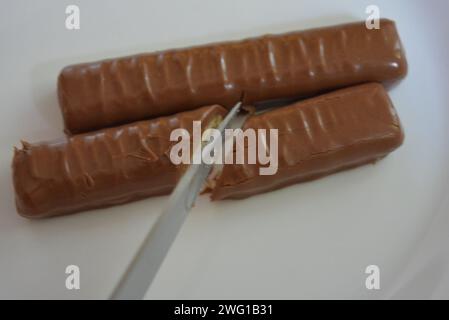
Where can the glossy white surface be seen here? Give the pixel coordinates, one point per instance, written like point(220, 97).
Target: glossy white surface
point(311, 240)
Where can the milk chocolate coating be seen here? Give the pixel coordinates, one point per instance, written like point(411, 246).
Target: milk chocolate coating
point(102, 168)
point(116, 91)
point(317, 137)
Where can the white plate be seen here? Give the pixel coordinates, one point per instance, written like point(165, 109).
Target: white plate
point(312, 240)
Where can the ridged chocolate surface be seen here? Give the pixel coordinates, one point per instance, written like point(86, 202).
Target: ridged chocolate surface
point(317, 137)
point(116, 91)
point(102, 168)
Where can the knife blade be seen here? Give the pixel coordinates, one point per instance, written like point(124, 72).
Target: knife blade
point(149, 257)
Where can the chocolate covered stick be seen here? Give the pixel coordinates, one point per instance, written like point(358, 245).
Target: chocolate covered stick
point(102, 168)
point(116, 91)
point(317, 137)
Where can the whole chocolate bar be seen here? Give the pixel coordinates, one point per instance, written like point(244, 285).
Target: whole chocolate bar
point(298, 64)
point(102, 168)
point(317, 137)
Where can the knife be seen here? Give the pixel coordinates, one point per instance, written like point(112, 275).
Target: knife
point(145, 264)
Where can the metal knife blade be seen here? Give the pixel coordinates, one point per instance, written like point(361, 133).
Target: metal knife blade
point(143, 268)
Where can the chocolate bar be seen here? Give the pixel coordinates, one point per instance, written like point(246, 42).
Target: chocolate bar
point(317, 137)
point(102, 168)
point(297, 64)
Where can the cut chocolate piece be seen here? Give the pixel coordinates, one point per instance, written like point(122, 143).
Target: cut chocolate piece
point(298, 64)
point(317, 137)
point(102, 168)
